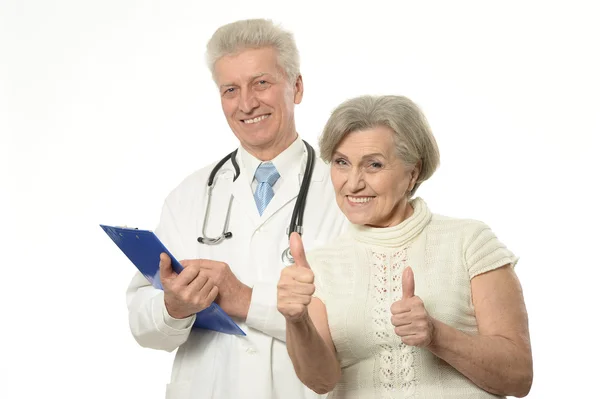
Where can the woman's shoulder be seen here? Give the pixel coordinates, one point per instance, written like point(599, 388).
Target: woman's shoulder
point(331, 252)
point(460, 227)
point(480, 247)
point(331, 264)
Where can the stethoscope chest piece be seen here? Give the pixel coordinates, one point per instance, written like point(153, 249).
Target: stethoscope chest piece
point(286, 257)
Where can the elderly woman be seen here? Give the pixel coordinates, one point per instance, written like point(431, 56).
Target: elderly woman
point(405, 304)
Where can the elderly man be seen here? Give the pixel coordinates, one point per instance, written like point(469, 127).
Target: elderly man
point(255, 65)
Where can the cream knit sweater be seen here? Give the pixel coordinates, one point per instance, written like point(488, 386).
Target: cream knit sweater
point(359, 275)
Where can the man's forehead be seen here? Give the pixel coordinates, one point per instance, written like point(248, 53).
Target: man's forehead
point(247, 65)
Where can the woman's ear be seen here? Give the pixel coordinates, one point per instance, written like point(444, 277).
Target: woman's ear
point(414, 175)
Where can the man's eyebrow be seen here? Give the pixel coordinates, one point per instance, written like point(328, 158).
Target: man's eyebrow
point(258, 75)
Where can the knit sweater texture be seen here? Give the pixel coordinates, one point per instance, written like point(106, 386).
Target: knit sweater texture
point(359, 275)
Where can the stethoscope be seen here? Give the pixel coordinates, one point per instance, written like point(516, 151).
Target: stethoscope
point(297, 213)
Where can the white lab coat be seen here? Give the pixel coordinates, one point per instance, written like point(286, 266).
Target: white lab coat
point(216, 365)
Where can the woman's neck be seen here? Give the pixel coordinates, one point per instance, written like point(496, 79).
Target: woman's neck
point(403, 211)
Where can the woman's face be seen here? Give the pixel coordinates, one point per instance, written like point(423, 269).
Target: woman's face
point(370, 181)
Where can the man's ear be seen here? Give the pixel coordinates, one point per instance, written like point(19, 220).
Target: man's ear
point(298, 90)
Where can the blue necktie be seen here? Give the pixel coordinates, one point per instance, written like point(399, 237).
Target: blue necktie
point(266, 175)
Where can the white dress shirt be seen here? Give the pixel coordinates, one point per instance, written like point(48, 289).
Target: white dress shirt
point(281, 163)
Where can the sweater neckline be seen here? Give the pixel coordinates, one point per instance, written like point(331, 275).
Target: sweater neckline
point(395, 236)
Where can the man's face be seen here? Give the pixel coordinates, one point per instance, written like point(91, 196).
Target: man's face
point(258, 100)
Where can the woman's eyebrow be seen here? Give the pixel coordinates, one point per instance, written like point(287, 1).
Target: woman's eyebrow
point(373, 154)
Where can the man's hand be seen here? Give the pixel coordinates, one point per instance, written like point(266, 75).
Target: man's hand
point(234, 296)
point(296, 284)
point(186, 293)
point(409, 316)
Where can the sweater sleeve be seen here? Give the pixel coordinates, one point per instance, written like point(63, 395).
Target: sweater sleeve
point(484, 252)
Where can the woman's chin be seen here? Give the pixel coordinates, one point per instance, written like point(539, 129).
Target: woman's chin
point(357, 218)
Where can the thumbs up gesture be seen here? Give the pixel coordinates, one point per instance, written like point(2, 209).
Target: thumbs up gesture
point(409, 317)
point(296, 284)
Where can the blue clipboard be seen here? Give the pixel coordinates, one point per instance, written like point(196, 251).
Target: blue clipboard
point(143, 248)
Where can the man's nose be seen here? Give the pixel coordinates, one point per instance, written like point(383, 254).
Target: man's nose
point(248, 101)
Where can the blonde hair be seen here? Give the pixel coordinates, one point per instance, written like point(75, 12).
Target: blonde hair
point(412, 134)
point(237, 36)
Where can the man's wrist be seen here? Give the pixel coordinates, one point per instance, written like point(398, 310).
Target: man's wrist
point(174, 314)
point(237, 303)
point(243, 302)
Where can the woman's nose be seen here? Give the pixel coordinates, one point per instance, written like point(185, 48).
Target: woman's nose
point(355, 180)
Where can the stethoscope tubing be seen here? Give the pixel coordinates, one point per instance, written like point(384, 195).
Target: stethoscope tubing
point(296, 221)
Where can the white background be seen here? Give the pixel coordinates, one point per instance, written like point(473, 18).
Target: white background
point(105, 106)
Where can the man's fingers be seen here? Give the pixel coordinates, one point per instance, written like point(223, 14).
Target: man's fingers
point(164, 265)
point(198, 282)
point(213, 294)
point(187, 275)
point(208, 264)
point(408, 283)
point(206, 286)
point(297, 249)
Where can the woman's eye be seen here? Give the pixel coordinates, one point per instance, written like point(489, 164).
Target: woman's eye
point(341, 162)
point(376, 165)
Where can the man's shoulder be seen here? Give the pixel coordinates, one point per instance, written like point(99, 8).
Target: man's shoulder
point(322, 167)
point(192, 182)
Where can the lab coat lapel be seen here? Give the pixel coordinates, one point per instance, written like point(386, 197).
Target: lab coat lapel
point(290, 188)
point(243, 197)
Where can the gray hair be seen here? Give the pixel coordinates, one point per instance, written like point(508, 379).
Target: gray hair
point(237, 36)
point(412, 134)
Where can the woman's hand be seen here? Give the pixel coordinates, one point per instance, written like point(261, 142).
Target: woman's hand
point(296, 284)
point(410, 318)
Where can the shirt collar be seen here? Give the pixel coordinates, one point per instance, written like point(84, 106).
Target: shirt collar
point(285, 162)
